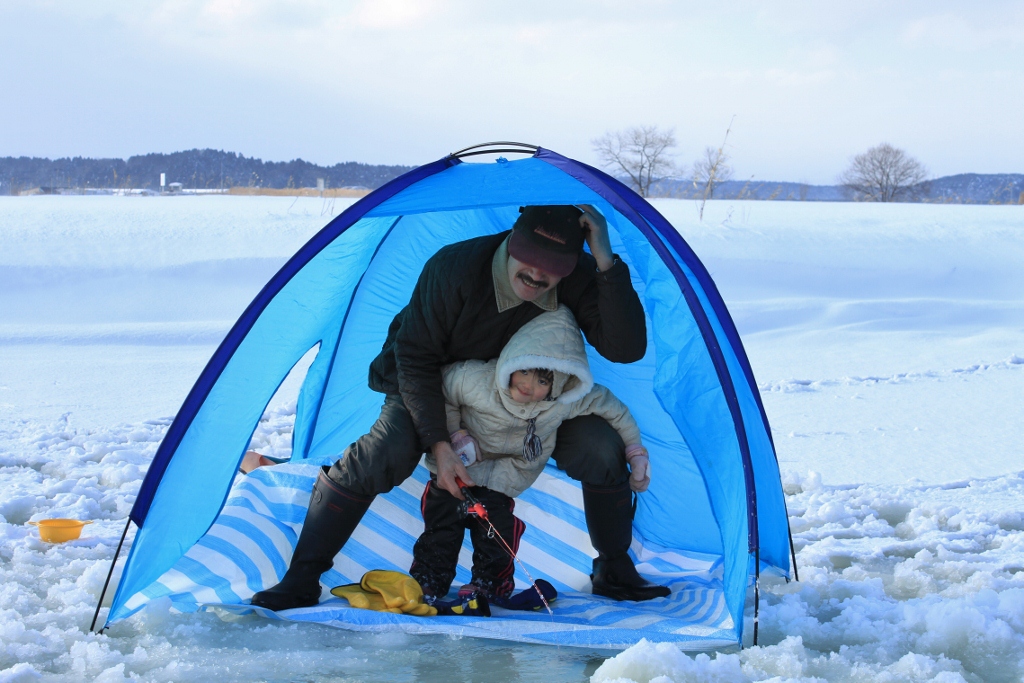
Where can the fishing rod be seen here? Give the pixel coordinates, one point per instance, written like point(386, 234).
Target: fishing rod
point(475, 508)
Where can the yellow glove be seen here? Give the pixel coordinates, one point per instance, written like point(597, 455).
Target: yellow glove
point(357, 597)
point(386, 591)
point(398, 590)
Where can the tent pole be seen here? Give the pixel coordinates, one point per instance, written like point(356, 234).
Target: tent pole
point(789, 527)
point(792, 549)
point(109, 574)
point(757, 589)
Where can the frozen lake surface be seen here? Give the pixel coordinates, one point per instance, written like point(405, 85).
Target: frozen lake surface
point(887, 340)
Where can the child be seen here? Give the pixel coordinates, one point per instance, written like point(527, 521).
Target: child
point(506, 413)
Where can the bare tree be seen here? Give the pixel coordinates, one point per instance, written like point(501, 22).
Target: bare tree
point(885, 174)
point(640, 152)
point(711, 169)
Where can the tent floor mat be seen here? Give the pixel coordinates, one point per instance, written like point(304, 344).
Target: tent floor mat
point(250, 544)
point(580, 620)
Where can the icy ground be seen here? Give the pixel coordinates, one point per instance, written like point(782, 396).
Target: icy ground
point(888, 342)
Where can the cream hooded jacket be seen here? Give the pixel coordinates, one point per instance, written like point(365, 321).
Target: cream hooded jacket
point(477, 399)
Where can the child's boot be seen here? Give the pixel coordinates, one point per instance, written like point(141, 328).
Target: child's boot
point(470, 603)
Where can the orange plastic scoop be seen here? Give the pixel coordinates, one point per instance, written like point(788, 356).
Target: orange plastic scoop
point(59, 530)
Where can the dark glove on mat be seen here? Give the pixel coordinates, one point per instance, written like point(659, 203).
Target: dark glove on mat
point(527, 599)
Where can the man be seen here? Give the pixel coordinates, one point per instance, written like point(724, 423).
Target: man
point(470, 299)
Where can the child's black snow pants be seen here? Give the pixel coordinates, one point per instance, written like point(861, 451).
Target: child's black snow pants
point(436, 553)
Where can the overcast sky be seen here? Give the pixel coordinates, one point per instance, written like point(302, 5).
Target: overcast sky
point(406, 81)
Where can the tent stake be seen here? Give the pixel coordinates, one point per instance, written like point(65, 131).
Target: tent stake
point(109, 574)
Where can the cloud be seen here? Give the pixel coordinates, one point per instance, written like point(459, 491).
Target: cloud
point(399, 80)
point(389, 14)
point(799, 79)
point(1001, 29)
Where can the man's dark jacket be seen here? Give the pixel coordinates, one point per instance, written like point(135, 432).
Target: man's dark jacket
point(453, 316)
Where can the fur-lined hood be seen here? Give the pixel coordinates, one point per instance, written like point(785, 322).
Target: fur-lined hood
point(551, 341)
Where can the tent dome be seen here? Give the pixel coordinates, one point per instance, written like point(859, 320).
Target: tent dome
point(716, 491)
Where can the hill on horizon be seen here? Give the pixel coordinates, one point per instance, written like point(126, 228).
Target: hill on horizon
point(963, 188)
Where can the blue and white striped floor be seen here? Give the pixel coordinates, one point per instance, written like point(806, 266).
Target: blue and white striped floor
point(248, 548)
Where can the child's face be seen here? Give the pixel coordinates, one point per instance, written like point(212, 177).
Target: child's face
point(526, 387)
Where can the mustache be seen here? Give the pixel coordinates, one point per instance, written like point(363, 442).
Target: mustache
point(531, 282)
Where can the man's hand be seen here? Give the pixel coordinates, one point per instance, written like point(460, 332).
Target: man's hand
point(596, 227)
point(450, 466)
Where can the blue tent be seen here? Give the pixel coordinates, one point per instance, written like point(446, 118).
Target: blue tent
point(715, 501)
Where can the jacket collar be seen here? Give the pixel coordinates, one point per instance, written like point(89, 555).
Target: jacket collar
point(505, 296)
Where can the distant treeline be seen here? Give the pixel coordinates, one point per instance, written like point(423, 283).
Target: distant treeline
point(214, 169)
point(195, 169)
point(964, 188)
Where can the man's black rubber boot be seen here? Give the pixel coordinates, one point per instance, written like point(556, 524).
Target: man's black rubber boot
point(333, 515)
point(609, 512)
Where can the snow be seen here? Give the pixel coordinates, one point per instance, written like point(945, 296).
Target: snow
point(887, 341)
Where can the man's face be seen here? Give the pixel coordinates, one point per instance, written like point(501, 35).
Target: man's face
point(529, 283)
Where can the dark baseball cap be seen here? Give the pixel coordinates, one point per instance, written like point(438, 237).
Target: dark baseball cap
point(548, 237)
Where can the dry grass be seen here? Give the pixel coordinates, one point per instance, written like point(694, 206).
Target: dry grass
point(296, 192)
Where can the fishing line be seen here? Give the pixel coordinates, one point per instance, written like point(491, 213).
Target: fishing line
point(477, 509)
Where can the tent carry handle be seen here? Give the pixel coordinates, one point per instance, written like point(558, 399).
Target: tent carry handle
point(499, 147)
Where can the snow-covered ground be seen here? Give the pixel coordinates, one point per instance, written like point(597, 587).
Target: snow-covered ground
point(888, 342)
